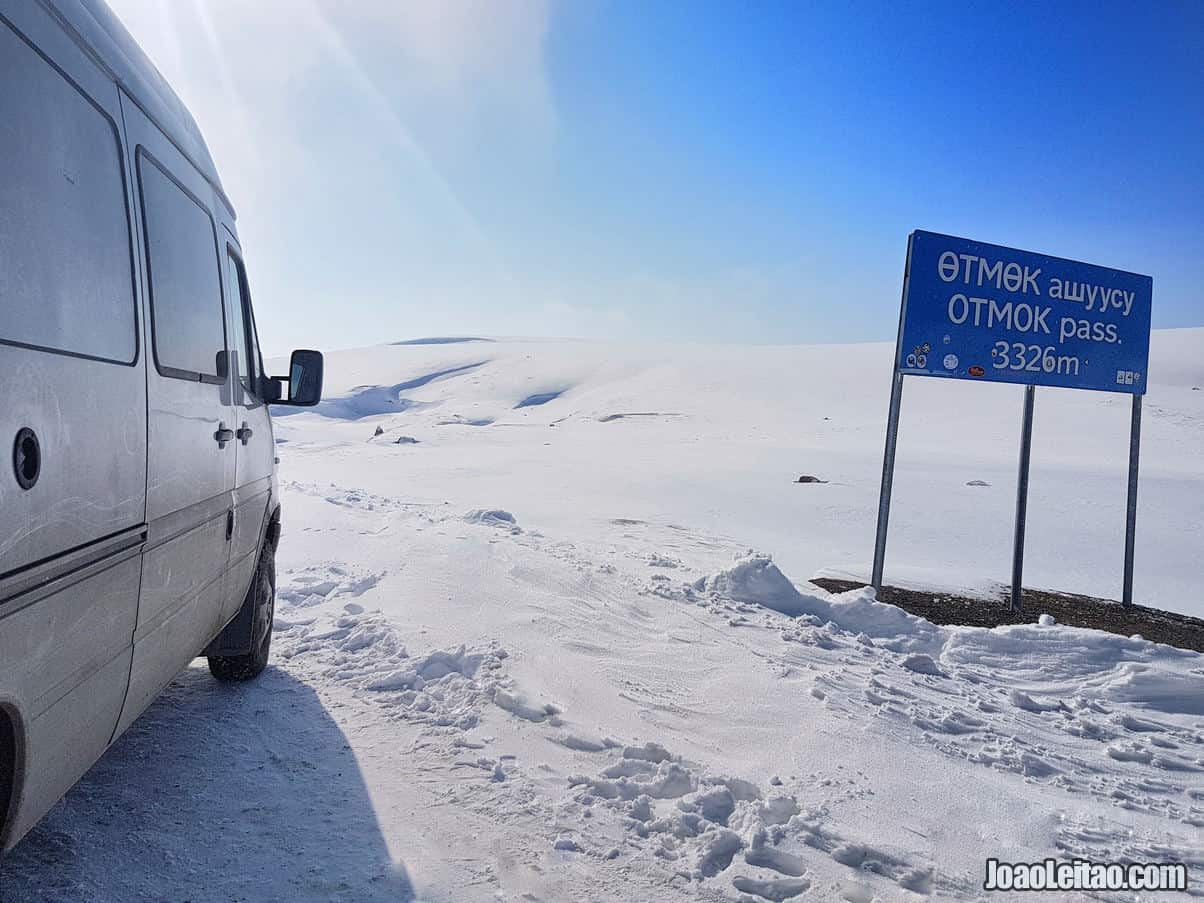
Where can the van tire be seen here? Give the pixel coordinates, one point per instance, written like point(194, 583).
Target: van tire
point(262, 598)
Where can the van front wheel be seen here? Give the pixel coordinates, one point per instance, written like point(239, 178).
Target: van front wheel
point(262, 599)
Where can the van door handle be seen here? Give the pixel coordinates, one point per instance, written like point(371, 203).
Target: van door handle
point(244, 432)
point(223, 435)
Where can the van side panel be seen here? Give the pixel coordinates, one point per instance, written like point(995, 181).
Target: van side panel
point(65, 659)
point(190, 470)
point(64, 743)
point(50, 646)
point(72, 371)
point(177, 616)
point(67, 268)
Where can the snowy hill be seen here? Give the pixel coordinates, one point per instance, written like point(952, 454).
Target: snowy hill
point(572, 435)
point(523, 650)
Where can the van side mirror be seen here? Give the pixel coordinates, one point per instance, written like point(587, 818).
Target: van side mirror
point(304, 381)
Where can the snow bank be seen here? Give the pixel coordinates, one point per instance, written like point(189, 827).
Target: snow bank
point(493, 517)
point(1057, 653)
point(859, 612)
point(1163, 690)
point(429, 669)
point(755, 579)
point(1090, 662)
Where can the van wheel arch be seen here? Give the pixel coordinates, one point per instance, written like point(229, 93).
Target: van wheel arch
point(10, 756)
point(271, 537)
point(256, 614)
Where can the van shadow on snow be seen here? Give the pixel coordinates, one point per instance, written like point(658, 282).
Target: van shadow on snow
point(218, 792)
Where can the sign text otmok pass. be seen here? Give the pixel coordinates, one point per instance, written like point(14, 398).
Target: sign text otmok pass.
point(978, 311)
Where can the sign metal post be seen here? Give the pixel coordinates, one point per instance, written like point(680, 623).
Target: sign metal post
point(888, 477)
point(975, 311)
point(1131, 506)
point(1026, 449)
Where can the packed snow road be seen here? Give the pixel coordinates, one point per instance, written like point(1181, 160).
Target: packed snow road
point(526, 654)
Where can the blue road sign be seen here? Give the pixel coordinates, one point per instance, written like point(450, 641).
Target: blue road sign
point(978, 311)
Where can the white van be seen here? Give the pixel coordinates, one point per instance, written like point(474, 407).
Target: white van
point(139, 511)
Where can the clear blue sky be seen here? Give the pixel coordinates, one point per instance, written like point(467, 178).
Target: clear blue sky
point(680, 170)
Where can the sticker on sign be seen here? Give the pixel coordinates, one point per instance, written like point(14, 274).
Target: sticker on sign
point(977, 311)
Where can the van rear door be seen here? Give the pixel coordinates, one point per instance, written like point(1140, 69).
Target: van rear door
point(190, 420)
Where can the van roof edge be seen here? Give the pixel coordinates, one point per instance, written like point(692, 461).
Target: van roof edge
point(98, 31)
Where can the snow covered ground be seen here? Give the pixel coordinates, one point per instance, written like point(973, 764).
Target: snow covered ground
point(531, 644)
